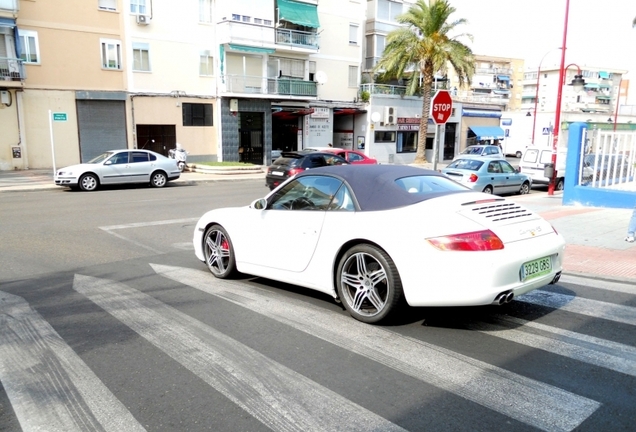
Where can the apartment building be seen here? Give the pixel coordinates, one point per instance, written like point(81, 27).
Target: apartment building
point(227, 79)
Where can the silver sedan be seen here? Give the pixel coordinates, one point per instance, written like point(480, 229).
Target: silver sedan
point(119, 167)
point(489, 175)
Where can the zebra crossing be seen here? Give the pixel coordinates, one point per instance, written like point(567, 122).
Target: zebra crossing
point(51, 388)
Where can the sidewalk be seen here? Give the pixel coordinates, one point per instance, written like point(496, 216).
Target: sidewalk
point(595, 246)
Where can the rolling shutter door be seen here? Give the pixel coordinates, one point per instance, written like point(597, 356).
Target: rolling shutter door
point(102, 127)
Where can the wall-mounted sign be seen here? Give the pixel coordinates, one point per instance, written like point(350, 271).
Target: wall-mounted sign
point(59, 116)
point(322, 113)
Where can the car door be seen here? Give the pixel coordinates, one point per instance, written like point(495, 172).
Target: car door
point(497, 177)
point(513, 179)
point(140, 167)
point(286, 233)
point(114, 170)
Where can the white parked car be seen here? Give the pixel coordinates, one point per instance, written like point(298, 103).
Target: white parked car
point(119, 167)
point(377, 236)
point(481, 150)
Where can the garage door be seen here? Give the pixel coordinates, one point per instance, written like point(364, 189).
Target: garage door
point(102, 127)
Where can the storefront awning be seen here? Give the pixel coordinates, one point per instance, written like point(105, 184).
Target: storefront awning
point(503, 77)
point(302, 14)
point(257, 50)
point(591, 85)
point(603, 97)
point(487, 132)
point(602, 74)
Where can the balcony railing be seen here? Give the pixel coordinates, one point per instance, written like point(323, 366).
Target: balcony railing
point(12, 69)
point(296, 38)
point(272, 86)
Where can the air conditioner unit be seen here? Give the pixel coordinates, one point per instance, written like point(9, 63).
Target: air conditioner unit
point(390, 115)
point(143, 19)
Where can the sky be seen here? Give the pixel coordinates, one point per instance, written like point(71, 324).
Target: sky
point(600, 32)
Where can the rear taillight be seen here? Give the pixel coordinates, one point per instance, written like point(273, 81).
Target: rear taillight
point(294, 171)
point(474, 241)
point(473, 178)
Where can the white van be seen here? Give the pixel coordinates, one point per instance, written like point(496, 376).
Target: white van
point(533, 164)
point(513, 147)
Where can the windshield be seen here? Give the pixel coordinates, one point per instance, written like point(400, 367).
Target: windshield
point(472, 150)
point(101, 158)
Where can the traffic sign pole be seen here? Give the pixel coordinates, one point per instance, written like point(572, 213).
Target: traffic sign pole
point(52, 143)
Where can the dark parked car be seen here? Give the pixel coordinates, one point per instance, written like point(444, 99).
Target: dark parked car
point(291, 163)
point(604, 166)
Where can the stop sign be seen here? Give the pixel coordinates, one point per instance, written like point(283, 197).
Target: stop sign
point(441, 107)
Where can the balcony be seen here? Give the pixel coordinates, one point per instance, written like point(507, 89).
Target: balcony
point(384, 89)
point(12, 69)
point(269, 86)
point(12, 6)
point(294, 39)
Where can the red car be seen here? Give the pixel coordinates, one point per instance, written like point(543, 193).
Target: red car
point(352, 156)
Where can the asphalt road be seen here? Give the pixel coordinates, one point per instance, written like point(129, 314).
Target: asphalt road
point(109, 323)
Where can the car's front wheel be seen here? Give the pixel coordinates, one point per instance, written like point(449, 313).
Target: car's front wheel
point(525, 188)
point(219, 252)
point(88, 182)
point(518, 154)
point(158, 179)
point(368, 283)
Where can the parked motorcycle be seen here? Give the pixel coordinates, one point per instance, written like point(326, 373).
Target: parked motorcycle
point(180, 155)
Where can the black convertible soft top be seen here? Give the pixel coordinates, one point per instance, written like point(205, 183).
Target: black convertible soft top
point(381, 187)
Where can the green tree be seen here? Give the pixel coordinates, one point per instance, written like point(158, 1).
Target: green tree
point(423, 47)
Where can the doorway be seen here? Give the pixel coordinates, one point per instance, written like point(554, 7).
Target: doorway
point(251, 137)
point(158, 138)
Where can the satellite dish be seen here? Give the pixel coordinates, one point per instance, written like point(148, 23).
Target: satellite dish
point(375, 117)
point(321, 77)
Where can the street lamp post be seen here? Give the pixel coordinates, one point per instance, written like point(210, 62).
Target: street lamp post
point(536, 95)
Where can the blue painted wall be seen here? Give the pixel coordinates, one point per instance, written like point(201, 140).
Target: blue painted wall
point(575, 194)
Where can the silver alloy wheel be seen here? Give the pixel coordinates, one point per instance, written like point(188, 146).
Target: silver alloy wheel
point(488, 190)
point(219, 255)
point(88, 182)
point(365, 286)
point(525, 188)
point(158, 179)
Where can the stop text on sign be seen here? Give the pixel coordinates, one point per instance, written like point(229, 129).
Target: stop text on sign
point(442, 107)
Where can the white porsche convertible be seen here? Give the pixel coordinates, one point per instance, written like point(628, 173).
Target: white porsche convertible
point(375, 236)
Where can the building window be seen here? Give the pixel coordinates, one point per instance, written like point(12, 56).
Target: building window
point(406, 142)
point(290, 68)
point(29, 47)
point(138, 7)
point(246, 18)
point(388, 10)
point(111, 54)
point(353, 76)
point(141, 57)
point(110, 5)
point(205, 11)
point(206, 63)
point(384, 136)
point(258, 21)
point(267, 22)
point(195, 114)
point(236, 17)
point(353, 34)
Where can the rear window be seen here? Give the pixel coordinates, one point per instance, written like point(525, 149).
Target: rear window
point(287, 161)
point(428, 184)
point(473, 151)
point(530, 155)
point(467, 164)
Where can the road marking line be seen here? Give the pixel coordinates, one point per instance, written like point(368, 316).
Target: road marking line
point(582, 306)
point(147, 224)
point(537, 404)
point(599, 352)
point(280, 398)
point(622, 287)
point(48, 384)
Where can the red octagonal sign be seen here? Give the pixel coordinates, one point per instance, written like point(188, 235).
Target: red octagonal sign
point(441, 107)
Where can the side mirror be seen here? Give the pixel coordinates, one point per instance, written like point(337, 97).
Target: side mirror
point(518, 169)
point(259, 204)
point(108, 162)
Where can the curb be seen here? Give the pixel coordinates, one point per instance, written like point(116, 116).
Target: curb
point(221, 170)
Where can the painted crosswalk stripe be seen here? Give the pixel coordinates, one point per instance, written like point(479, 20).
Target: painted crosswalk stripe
point(529, 401)
point(280, 398)
point(595, 351)
point(49, 386)
point(582, 306)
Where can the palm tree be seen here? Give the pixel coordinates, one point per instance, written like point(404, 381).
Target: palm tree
point(423, 45)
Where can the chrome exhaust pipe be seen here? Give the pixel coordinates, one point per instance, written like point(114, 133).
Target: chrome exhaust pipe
point(510, 296)
point(500, 299)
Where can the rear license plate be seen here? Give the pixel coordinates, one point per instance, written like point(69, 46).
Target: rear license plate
point(278, 173)
point(536, 268)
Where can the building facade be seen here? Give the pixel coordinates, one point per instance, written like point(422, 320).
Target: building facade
point(227, 79)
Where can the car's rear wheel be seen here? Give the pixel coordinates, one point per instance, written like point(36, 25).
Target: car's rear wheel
point(525, 188)
point(158, 179)
point(488, 189)
point(219, 252)
point(368, 283)
point(88, 182)
point(559, 184)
